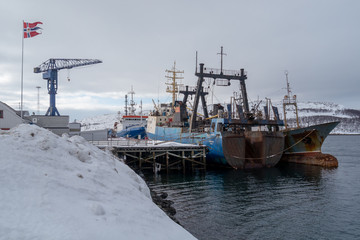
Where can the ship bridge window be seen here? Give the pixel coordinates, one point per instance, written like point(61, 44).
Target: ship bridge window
point(1, 114)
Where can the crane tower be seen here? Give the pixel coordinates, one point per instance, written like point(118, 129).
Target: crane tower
point(50, 70)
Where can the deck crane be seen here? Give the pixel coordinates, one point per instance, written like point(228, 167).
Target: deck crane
point(50, 70)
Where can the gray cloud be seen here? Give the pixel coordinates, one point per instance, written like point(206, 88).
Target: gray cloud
point(316, 41)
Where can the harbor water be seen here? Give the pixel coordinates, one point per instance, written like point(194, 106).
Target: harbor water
point(287, 202)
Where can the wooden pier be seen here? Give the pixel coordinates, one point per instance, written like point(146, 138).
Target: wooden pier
point(156, 155)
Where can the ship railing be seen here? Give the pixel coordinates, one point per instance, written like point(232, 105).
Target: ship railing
point(191, 89)
point(289, 101)
point(124, 142)
point(224, 72)
point(142, 143)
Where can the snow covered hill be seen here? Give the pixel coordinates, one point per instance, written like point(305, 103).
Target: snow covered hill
point(311, 113)
point(105, 121)
point(64, 188)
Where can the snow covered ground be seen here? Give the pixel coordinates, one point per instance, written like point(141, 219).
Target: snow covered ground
point(105, 121)
point(315, 109)
point(64, 188)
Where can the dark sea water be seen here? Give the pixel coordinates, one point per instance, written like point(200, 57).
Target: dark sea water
point(288, 202)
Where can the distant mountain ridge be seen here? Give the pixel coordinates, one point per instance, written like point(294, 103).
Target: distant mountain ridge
point(310, 113)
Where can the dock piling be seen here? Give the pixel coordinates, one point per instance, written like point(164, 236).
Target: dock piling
point(146, 155)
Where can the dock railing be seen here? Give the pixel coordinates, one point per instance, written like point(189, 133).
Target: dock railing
point(125, 142)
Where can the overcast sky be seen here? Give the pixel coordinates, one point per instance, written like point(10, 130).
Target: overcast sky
point(317, 41)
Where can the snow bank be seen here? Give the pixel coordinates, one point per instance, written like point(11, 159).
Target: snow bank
point(64, 188)
point(174, 144)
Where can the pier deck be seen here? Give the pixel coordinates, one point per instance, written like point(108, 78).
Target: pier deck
point(159, 156)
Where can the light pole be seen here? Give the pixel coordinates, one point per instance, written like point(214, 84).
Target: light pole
point(38, 100)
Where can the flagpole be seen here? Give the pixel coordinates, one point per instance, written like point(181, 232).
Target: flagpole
point(22, 69)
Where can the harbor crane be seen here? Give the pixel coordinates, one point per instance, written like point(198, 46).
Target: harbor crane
point(50, 70)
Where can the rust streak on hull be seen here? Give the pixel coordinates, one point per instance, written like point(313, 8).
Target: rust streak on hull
point(303, 145)
point(234, 149)
point(263, 149)
point(307, 139)
point(253, 149)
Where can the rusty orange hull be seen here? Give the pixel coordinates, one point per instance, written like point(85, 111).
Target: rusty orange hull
point(263, 149)
point(311, 158)
point(253, 149)
point(234, 149)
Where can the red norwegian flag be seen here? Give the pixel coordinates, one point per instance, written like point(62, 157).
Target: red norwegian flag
point(31, 29)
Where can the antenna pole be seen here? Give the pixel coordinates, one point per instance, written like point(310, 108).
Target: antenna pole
point(222, 54)
point(141, 112)
point(287, 83)
point(196, 61)
point(126, 105)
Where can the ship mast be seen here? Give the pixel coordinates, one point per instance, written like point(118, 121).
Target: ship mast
point(126, 105)
point(141, 114)
point(222, 78)
point(222, 54)
point(289, 101)
point(132, 103)
point(173, 86)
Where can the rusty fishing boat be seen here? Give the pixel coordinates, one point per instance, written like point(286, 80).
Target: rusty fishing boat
point(303, 144)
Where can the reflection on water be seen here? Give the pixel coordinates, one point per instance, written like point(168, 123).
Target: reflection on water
point(287, 202)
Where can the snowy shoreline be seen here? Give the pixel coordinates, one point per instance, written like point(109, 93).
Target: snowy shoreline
point(160, 199)
point(344, 134)
point(65, 188)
